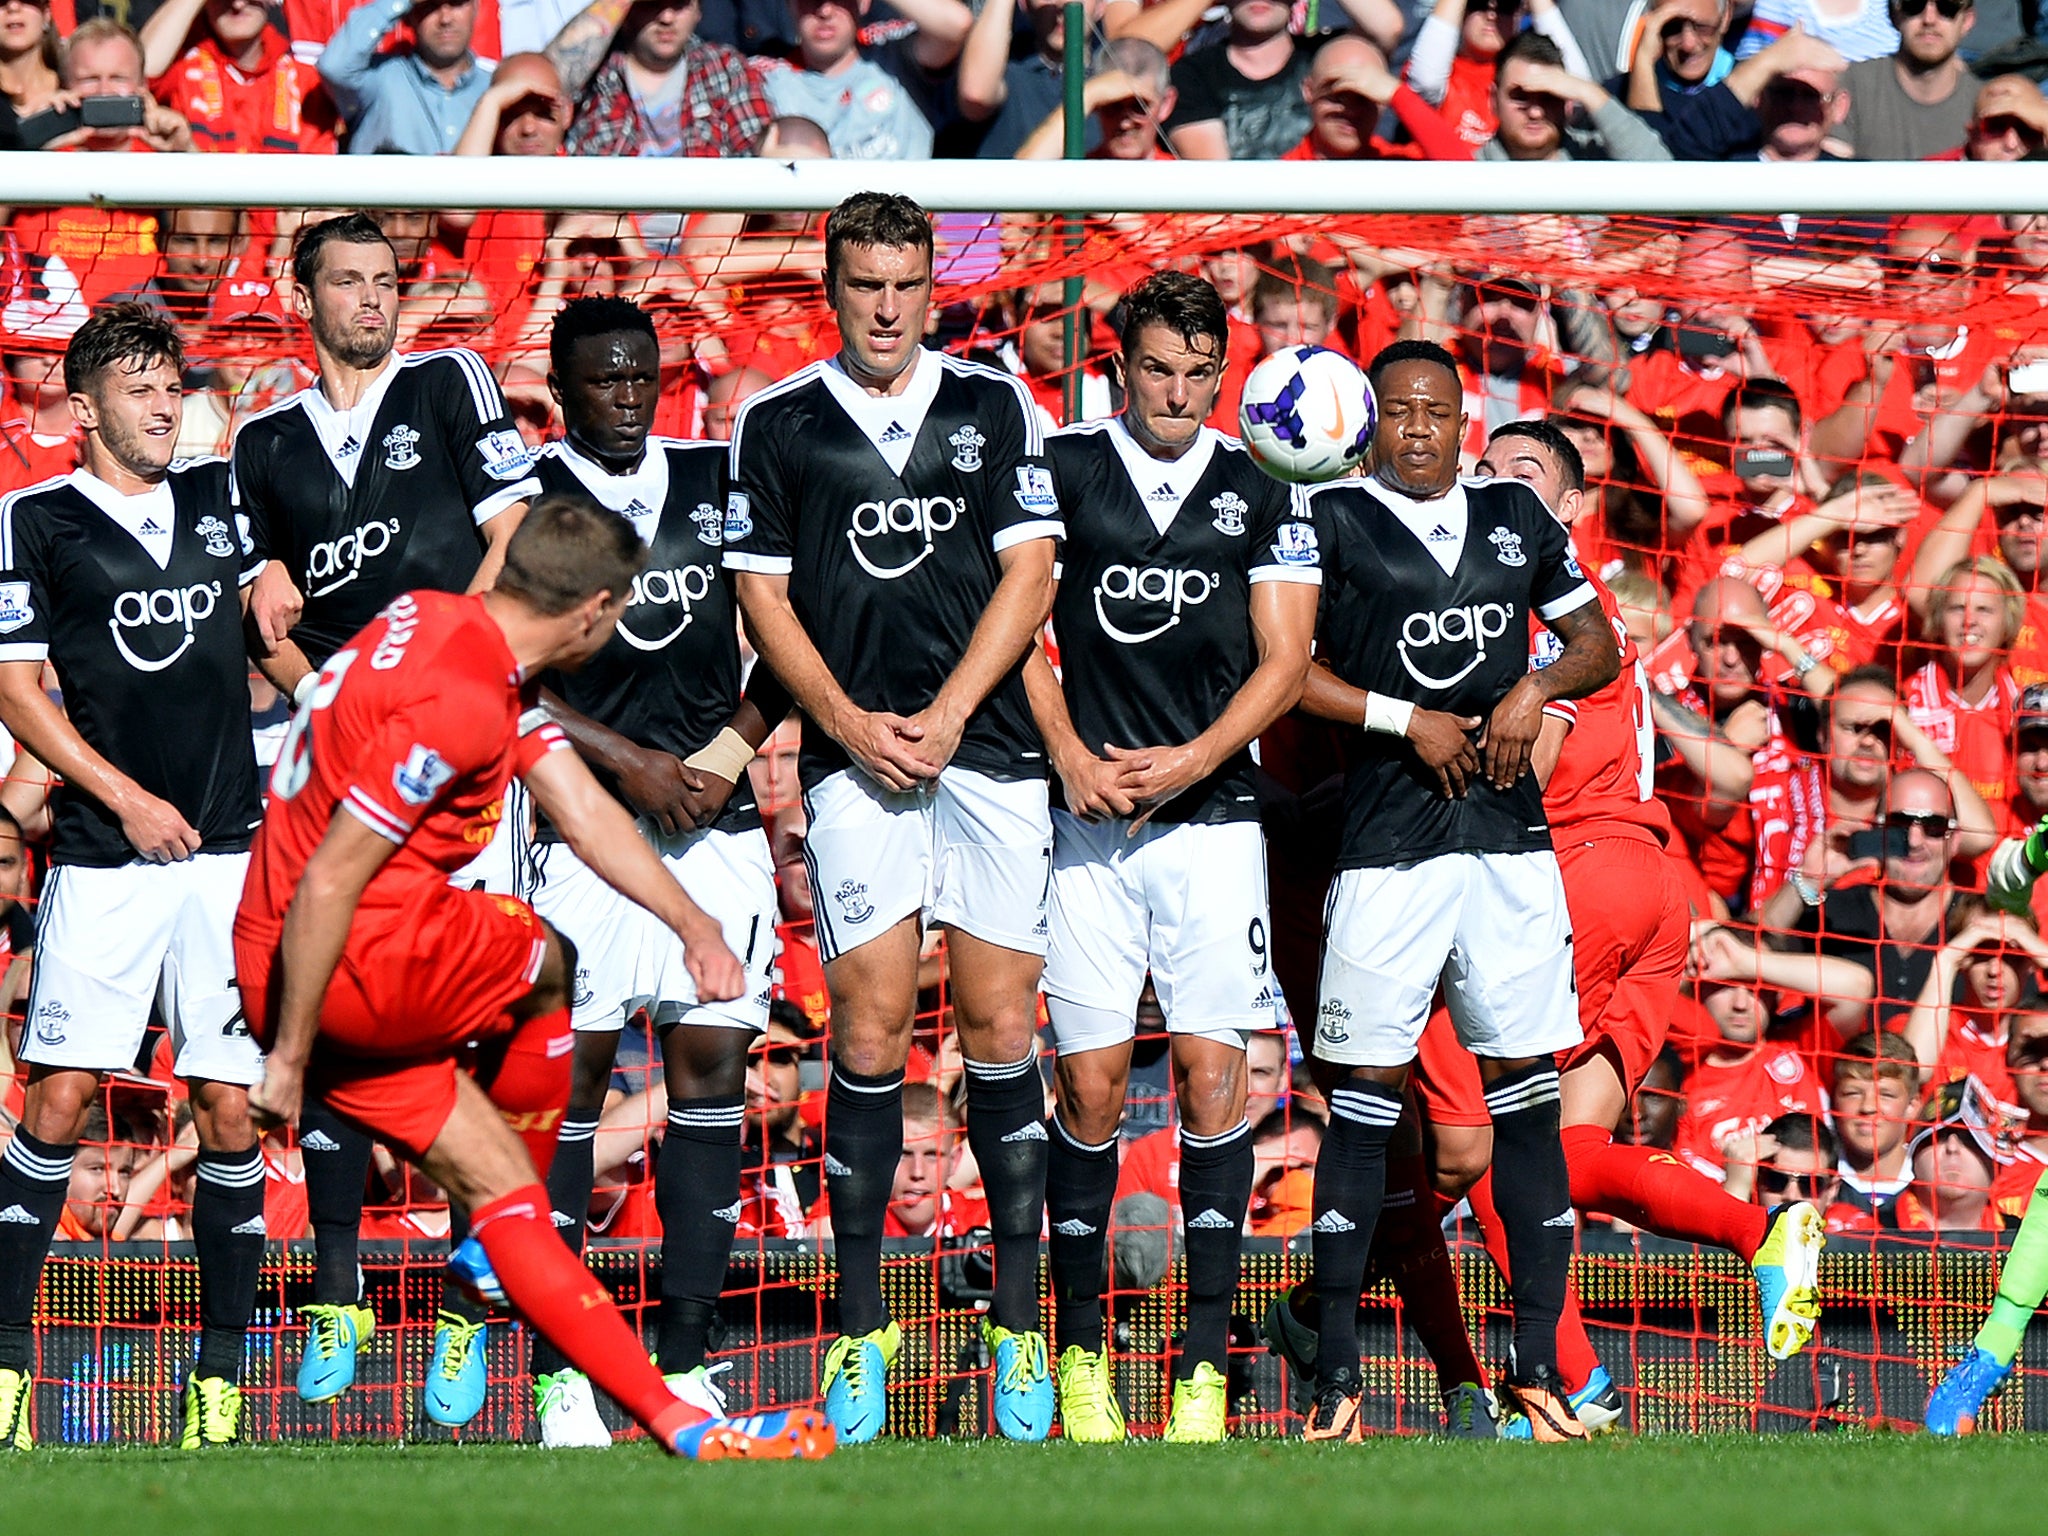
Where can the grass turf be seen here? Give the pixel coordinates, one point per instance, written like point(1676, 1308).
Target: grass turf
point(1837, 1485)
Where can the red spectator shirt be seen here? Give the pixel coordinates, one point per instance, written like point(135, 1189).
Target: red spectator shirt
point(1468, 101)
point(1685, 402)
point(1788, 808)
point(2012, 1186)
point(1724, 1101)
point(959, 1214)
point(2029, 661)
point(415, 728)
point(312, 22)
point(1431, 136)
point(1151, 1166)
point(1977, 738)
point(1975, 1047)
point(28, 459)
point(62, 263)
point(279, 108)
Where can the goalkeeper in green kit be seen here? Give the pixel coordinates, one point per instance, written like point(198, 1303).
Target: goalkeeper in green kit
point(1953, 1407)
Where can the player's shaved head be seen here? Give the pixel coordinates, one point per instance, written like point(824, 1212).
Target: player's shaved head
point(566, 551)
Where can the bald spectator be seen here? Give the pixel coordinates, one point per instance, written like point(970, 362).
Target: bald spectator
point(1920, 100)
point(405, 98)
point(524, 111)
point(1533, 94)
point(645, 83)
point(1129, 94)
point(237, 83)
point(1348, 87)
point(2009, 121)
point(1798, 114)
point(794, 138)
point(724, 396)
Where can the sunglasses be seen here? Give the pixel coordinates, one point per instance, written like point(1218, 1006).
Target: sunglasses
point(1950, 9)
point(1810, 1185)
point(784, 1055)
point(1998, 127)
point(1932, 825)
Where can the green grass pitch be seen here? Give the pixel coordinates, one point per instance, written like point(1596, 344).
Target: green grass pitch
point(1834, 1485)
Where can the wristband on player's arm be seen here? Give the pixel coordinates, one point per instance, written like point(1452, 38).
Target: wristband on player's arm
point(727, 755)
point(302, 690)
point(1391, 715)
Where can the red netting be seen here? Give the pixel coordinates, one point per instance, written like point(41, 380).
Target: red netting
point(1838, 415)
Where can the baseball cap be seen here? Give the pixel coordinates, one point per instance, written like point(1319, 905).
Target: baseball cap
point(237, 298)
point(1966, 1107)
point(2032, 713)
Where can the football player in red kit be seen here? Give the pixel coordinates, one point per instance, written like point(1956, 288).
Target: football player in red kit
point(364, 972)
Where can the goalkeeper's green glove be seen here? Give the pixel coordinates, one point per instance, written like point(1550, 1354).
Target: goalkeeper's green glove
point(2015, 865)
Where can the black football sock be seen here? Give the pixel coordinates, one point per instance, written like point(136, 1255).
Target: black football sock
point(863, 1144)
point(1006, 1132)
point(570, 1176)
point(1532, 1190)
point(337, 1160)
point(1080, 1189)
point(697, 1190)
point(455, 1301)
point(1351, 1181)
point(1215, 1192)
point(34, 1178)
point(228, 1236)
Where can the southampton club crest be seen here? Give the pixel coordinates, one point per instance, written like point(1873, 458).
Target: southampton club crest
point(967, 445)
point(1509, 544)
point(215, 532)
point(710, 522)
point(853, 901)
point(1230, 510)
point(401, 447)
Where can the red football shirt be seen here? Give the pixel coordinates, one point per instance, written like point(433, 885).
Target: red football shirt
point(415, 729)
point(1976, 737)
point(1725, 1101)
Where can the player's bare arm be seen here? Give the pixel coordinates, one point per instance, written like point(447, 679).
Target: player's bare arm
point(154, 826)
point(884, 745)
point(678, 794)
point(1090, 781)
point(1283, 630)
point(280, 661)
point(275, 602)
point(603, 836)
point(1442, 741)
point(497, 534)
point(1548, 749)
point(1010, 624)
point(1590, 661)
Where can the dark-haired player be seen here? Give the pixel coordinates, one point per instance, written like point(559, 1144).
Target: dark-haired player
point(128, 577)
point(891, 526)
point(394, 472)
point(659, 715)
point(366, 973)
point(1445, 875)
point(1185, 618)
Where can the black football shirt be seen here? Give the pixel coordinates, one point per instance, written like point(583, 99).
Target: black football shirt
point(136, 602)
point(1153, 616)
point(1430, 601)
point(887, 514)
point(389, 497)
point(670, 677)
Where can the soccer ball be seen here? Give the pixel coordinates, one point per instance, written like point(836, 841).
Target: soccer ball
point(1308, 415)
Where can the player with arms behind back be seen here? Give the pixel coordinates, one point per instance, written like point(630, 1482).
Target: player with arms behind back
point(1185, 617)
point(891, 527)
point(1445, 873)
point(127, 577)
point(365, 972)
point(658, 713)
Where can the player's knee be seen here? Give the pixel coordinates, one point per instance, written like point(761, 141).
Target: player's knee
point(56, 1104)
point(1454, 1167)
point(705, 1063)
point(220, 1115)
point(1091, 1095)
point(1211, 1096)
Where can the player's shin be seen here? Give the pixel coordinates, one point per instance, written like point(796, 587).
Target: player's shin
point(337, 1160)
point(570, 1176)
point(863, 1144)
point(1653, 1190)
point(1080, 1190)
point(1409, 1249)
point(696, 1189)
point(1533, 1192)
point(2022, 1283)
point(34, 1176)
point(228, 1235)
point(1350, 1184)
point(1576, 1359)
point(1006, 1131)
point(1215, 1189)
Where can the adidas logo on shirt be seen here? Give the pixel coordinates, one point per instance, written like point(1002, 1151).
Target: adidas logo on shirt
point(1073, 1226)
point(1334, 1221)
point(149, 525)
point(319, 1141)
point(20, 1216)
point(1441, 535)
point(1211, 1220)
point(1034, 1131)
point(1163, 493)
point(896, 433)
point(349, 448)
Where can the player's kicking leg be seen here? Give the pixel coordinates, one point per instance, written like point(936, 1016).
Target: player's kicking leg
point(337, 1160)
point(1956, 1402)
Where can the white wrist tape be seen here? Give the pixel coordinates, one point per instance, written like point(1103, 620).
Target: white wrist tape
point(302, 690)
point(1388, 714)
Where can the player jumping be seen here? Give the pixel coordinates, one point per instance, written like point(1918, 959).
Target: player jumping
point(365, 972)
point(1185, 616)
point(891, 527)
point(1446, 874)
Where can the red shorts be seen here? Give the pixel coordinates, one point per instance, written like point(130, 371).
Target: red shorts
point(1630, 931)
point(416, 984)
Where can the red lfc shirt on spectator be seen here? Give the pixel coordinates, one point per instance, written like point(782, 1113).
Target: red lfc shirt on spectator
point(1821, 374)
point(279, 108)
point(2029, 661)
point(1685, 401)
point(1925, 382)
point(2012, 1186)
point(63, 263)
point(1975, 1047)
point(1740, 1099)
point(1151, 1166)
point(1468, 101)
point(1433, 137)
point(1976, 737)
point(28, 459)
point(500, 250)
point(959, 1214)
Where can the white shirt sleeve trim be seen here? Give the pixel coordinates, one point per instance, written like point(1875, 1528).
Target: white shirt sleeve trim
point(498, 501)
point(26, 650)
point(759, 565)
point(1295, 574)
point(1024, 533)
point(1578, 597)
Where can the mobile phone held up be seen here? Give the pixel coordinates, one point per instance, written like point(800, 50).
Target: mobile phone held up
point(41, 128)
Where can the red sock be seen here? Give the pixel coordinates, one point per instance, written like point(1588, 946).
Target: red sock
point(1408, 1248)
point(550, 1288)
point(1655, 1191)
point(1575, 1357)
point(529, 1082)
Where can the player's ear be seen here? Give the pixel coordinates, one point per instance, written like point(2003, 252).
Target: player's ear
point(554, 387)
point(85, 411)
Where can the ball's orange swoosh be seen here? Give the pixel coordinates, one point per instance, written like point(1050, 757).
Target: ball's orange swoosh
point(1337, 414)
